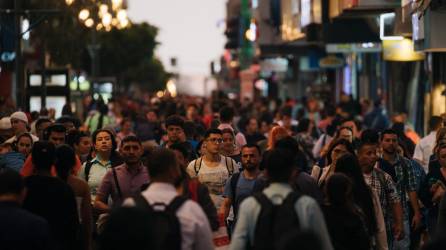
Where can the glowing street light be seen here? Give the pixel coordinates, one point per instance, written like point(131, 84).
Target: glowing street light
point(69, 2)
point(89, 22)
point(84, 14)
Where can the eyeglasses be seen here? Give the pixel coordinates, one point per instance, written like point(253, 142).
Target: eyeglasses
point(216, 140)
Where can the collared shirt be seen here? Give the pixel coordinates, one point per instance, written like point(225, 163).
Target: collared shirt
point(196, 232)
point(95, 176)
point(423, 150)
point(402, 174)
point(307, 209)
point(130, 182)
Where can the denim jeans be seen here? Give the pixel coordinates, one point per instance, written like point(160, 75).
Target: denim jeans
point(403, 244)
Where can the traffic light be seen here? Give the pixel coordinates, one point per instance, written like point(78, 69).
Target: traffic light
point(232, 33)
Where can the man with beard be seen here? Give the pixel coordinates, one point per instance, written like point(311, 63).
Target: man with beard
point(243, 184)
point(401, 171)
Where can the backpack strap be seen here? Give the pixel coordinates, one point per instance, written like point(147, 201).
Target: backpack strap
point(87, 170)
point(230, 170)
point(118, 187)
point(199, 165)
point(142, 203)
point(176, 203)
point(263, 200)
point(234, 180)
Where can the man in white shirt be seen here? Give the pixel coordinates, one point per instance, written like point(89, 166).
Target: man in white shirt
point(423, 150)
point(164, 172)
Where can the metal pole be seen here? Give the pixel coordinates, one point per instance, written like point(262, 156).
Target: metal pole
point(20, 83)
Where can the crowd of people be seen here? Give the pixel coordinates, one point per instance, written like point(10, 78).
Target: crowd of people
point(215, 173)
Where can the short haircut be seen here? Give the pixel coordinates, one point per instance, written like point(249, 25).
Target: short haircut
point(175, 120)
point(370, 136)
point(180, 147)
point(435, 122)
point(252, 145)
point(130, 138)
point(26, 134)
point(212, 131)
point(74, 137)
point(344, 142)
point(161, 161)
point(388, 132)
point(227, 114)
point(40, 121)
point(291, 144)
point(43, 155)
point(10, 182)
point(64, 161)
point(56, 127)
point(278, 165)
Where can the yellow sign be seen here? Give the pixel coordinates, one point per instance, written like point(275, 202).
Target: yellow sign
point(401, 50)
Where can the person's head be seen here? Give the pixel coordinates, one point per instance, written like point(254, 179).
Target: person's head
point(345, 133)
point(348, 164)
point(286, 113)
point(304, 126)
point(152, 116)
point(181, 154)
point(24, 143)
point(370, 136)
point(12, 186)
point(175, 127)
point(104, 141)
point(352, 124)
point(440, 153)
point(192, 112)
point(55, 134)
point(6, 148)
point(339, 190)
point(65, 161)
point(278, 166)
point(337, 149)
point(277, 133)
point(43, 155)
point(227, 114)
point(19, 122)
point(68, 122)
point(201, 148)
point(367, 154)
point(289, 143)
point(126, 125)
point(440, 137)
point(163, 166)
point(435, 123)
point(252, 126)
point(213, 140)
point(229, 145)
point(251, 156)
point(131, 150)
point(389, 141)
point(80, 141)
point(128, 228)
point(41, 125)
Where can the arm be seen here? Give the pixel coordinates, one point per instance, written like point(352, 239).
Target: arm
point(103, 193)
point(208, 206)
point(381, 236)
point(397, 211)
point(226, 207)
point(416, 208)
point(241, 235)
point(203, 234)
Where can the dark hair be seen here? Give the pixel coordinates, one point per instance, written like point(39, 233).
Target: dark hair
point(43, 155)
point(124, 121)
point(130, 138)
point(212, 131)
point(435, 122)
point(74, 137)
point(228, 131)
point(42, 120)
point(112, 137)
point(227, 114)
point(388, 132)
point(278, 165)
point(339, 190)
point(370, 136)
point(64, 119)
point(252, 145)
point(291, 144)
point(180, 147)
point(128, 228)
point(303, 125)
point(161, 161)
point(348, 164)
point(189, 129)
point(26, 134)
point(198, 148)
point(175, 120)
point(55, 127)
point(65, 161)
point(10, 182)
point(286, 111)
point(344, 142)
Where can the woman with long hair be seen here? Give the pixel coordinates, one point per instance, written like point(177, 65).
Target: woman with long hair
point(65, 161)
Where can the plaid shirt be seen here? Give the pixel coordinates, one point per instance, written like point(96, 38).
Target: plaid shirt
point(403, 175)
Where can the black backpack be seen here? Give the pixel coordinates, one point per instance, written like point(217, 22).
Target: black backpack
point(274, 221)
point(168, 233)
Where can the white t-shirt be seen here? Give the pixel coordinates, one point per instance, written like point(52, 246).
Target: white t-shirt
point(214, 178)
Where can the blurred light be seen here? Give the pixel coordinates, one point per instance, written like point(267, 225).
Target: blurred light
point(103, 8)
point(172, 88)
point(108, 28)
point(89, 22)
point(107, 19)
point(160, 94)
point(124, 23)
point(99, 26)
point(122, 14)
point(234, 64)
point(25, 27)
point(251, 33)
point(116, 4)
point(69, 2)
point(84, 14)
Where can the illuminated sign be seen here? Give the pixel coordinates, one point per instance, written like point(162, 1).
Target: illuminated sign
point(401, 50)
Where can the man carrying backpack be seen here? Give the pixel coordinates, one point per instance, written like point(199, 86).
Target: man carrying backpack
point(243, 184)
point(180, 223)
point(266, 219)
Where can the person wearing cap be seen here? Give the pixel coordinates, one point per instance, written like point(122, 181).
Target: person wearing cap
point(55, 134)
point(20, 125)
point(5, 128)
